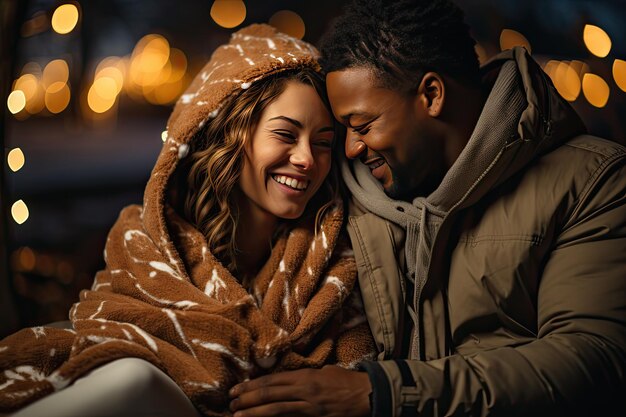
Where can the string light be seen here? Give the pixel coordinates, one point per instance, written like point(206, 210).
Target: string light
point(15, 159)
point(56, 71)
point(16, 101)
point(288, 22)
point(597, 41)
point(619, 73)
point(510, 38)
point(19, 211)
point(65, 18)
point(596, 90)
point(228, 13)
point(57, 97)
point(566, 81)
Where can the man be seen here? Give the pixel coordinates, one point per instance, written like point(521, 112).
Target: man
point(489, 231)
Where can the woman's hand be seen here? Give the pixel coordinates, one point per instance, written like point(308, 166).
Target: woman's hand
point(330, 391)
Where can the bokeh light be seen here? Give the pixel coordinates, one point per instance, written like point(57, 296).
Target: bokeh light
point(19, 211)
point(65, 18)
point(596, 90)
point(597, 41)
point(482, 54)
point(179, 64)
point(97, 103)
point(619, 73)
point(228, 13)
point(30, 83)
point(35, 25)
point(113, 73)
point(16, 102)
point(56, 71)
point(15, 159)
point(510, 38)
point(57, 97)
point(580, 67)
point(156, 72)
point(288, 22)
point(566, 81)
point(26, 259)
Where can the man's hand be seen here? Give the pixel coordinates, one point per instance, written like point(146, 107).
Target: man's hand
point(330, 391)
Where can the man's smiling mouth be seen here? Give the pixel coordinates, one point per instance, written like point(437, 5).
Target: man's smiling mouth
point(373, 165)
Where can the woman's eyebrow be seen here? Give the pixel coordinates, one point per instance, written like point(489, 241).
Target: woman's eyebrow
point(299, 125)
point(288, 119)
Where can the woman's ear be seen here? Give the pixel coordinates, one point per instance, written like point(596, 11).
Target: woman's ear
point(431, 93)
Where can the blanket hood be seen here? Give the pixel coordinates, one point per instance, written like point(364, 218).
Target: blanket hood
point(253, 53)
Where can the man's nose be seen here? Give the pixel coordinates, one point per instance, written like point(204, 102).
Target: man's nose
point(354, 145)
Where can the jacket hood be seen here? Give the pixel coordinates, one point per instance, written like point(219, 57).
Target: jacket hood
point(523, 117)
point(253, 53)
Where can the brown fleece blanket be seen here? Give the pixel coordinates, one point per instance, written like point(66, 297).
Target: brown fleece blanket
point(163, 297)
point(177, 307)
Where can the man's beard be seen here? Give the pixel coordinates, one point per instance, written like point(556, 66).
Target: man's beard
point(400, 188)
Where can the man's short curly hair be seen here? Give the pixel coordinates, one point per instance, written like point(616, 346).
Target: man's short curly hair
point(401, 40)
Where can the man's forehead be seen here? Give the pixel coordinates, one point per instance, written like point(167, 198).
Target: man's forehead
point(354, 92)
point(352, 77)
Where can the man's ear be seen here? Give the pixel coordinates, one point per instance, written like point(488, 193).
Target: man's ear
point(432, 93)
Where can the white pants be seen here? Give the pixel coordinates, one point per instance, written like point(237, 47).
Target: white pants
point(128, 387)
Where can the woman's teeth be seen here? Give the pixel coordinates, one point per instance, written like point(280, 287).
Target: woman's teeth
point(291, 182)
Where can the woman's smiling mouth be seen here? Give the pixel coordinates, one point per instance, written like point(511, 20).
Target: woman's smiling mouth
point(293, 183)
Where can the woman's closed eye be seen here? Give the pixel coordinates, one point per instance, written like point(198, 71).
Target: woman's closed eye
point(285, 135)
point(323, 143)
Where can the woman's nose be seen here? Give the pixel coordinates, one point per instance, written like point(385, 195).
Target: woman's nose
point(302, 157)
point(354, 145)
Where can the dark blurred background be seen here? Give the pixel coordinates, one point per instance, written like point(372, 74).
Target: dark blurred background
point(87, 87)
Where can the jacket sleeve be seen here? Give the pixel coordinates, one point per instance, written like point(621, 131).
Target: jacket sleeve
point(576, 365)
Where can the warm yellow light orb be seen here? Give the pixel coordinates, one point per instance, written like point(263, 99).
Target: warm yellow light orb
point(178, 62)
point(19, 211)
point(597, 41)
point(28, 84)
point(16, 159)
point(228, 13)
point(16, 101)
point(288, 22)
point(56, 70)
point(619, 73)
point(57, 97)
point(27, 258)
point(510, 38)
point(65, 18)
point(106, 87)
point(596, 90)
point(97, 103)
point(114, 74)
point(566, 81)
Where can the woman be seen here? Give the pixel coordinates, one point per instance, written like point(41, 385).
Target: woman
point(234, 267)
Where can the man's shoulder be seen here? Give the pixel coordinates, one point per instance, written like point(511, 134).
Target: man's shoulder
point(588, 144)
point(580, 158)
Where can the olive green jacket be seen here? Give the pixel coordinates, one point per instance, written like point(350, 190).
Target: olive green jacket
point(508, 283)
